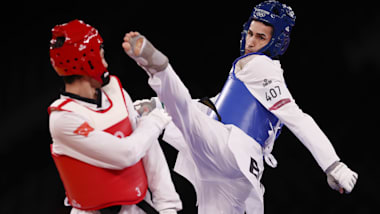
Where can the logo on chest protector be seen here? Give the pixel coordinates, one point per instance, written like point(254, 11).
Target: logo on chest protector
point(119, 134)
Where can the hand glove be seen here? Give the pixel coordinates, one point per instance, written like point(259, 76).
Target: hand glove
point(168, 211)
point(159, 117)
point(341, 178)
point(145, 106)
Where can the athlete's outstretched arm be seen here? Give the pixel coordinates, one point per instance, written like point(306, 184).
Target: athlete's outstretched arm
point(266, 83)
point(86, 147)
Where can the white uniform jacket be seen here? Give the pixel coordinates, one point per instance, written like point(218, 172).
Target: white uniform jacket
point(105, 150)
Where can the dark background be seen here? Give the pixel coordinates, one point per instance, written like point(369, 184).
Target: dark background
point(330, 67)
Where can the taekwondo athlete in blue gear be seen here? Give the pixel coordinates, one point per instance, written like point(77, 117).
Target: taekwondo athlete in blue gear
point(224, 161)
point(253, 118)
point(257, 121)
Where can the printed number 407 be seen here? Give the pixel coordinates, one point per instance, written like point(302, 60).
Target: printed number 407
point(272, 93)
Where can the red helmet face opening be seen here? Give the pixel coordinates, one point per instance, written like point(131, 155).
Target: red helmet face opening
point(75, 50)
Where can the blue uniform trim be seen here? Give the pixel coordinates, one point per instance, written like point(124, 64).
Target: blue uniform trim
point(237, 106)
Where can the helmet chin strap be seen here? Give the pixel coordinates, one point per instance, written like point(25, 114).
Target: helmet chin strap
point(265, 49)
point(105, 78)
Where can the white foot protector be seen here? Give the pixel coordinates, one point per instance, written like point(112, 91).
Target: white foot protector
point(149, 58)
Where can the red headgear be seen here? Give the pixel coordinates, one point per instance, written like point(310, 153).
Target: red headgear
point(75, 50)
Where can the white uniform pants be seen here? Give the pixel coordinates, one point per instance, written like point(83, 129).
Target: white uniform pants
point(224, 188)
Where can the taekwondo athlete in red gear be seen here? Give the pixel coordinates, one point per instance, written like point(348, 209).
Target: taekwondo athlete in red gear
point(106, 154)
point(227, 158)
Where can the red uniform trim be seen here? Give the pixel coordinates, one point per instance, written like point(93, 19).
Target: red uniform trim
point(59, 107)
point(279, 104)
point(121, 90)
point(103, 110)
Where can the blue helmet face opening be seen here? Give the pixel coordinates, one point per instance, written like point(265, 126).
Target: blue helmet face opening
point(281, 17)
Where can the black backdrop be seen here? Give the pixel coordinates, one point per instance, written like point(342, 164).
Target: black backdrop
point(329, 67)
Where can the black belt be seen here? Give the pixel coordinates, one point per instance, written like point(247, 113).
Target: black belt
point(210, 104)
point(142, 205)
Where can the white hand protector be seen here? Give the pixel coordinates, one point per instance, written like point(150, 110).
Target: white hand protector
point(341, 178)
point(159, 117)
point(145, 106)
point(151, 59)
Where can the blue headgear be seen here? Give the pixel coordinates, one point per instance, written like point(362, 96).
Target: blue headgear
point(281, 17)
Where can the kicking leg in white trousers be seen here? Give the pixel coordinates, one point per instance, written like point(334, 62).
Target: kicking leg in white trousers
point(224, 187)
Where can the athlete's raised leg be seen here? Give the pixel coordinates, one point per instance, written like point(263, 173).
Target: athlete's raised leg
point(206, 137)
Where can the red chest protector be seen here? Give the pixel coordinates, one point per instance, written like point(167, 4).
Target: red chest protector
point(89, 187)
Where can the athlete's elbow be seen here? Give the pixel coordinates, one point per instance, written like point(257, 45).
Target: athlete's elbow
point(129, 158)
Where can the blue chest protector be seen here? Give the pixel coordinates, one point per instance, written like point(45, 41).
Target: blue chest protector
point(237, 106)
